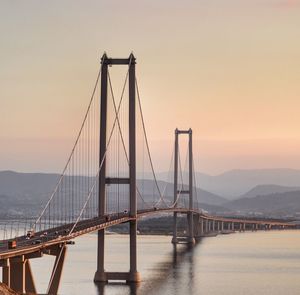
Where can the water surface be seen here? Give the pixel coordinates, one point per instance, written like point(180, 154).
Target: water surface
point(258, 263)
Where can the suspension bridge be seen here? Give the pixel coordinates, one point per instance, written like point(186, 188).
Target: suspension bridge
point(104, 184)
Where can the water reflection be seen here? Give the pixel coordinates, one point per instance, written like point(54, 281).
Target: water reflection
point(170, 269)
point(248, 263)
point(129, 288)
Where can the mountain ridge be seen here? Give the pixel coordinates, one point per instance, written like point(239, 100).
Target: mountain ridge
point(280, 204)
point(267, 189)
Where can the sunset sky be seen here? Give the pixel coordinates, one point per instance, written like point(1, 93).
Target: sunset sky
point(228, 69)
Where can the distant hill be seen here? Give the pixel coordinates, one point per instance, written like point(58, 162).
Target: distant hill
point(272, 204)
point(216, 209)
point(267, 189)
point(26, 193)
point(27, 185)
point(234, 183)
point(149, 188)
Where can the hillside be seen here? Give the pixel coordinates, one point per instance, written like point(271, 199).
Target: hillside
point(234, 183)
point(267, 189)
point(26, 193)
point(279, 204)
point(148, 187)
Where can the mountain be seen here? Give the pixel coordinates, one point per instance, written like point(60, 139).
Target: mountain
point(27, 193)
point(24, 193)
point(27, 185)
point(234, 183)
point(148, 188)
point(267, 189)
point(215, 209)
point(279, 204)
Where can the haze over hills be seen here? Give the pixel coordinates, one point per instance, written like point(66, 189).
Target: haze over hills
point(235, 183)
point(148, 186)
point(27, 184)
point(267, 189)
point(26, 193)
point(276, 204)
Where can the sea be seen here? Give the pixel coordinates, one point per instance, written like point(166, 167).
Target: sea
point(247, 263)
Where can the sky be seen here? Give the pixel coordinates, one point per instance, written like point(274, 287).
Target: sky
point(228, 69)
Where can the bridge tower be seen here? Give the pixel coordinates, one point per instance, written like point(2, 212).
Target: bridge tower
point(101, 275)
point(190, 237)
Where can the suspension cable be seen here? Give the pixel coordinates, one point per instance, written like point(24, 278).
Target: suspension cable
point(121, 133)
point(104, 156)
point(168, 174)
point(181, 188)
point(146, 140)
point(72, 152)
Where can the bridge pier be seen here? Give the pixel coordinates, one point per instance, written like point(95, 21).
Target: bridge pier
point(228, 226)
point(174, 238)
point(134, 275)
point(191, 237)
point(201, 226)
point(17, 274)
point(100, 272)
point(6, 272)
point(206, 226)
point(241, 227)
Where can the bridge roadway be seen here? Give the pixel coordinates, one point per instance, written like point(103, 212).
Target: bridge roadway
point(59, 235)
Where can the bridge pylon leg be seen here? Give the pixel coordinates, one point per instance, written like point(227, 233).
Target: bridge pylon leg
point(101, 275)
point(174, 239)
point(57, 271)
point(191, 238)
